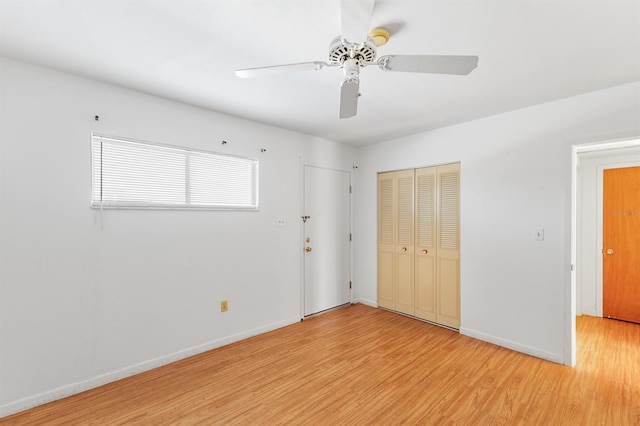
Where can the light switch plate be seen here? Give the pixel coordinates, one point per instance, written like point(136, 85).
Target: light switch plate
point(538, 234)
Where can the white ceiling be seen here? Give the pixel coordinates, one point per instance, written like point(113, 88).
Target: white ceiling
point(531, 51)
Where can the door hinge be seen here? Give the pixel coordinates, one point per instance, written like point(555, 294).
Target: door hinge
point(349, 284)
point(349, 236)
point(349, 189)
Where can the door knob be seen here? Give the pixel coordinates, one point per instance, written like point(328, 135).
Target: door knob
point(307, 249)
point(425, 251)
point(308, 239)
point(404, 249)
point(609, 251)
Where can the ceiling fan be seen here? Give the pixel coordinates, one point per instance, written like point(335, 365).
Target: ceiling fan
point(356, 48)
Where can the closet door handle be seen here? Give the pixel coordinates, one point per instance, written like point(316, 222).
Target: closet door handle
point(425, 251)
point(404, 249)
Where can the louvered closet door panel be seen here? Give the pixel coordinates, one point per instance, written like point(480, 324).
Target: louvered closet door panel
point(425, 235)
point(386, 240)
point(404, 242)
point(448, 246)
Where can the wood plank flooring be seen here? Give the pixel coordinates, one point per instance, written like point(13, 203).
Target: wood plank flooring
point(360, 365)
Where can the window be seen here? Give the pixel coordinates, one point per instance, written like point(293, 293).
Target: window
point(131, 174)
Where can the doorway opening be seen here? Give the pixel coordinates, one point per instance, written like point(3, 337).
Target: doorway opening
point(588, 164)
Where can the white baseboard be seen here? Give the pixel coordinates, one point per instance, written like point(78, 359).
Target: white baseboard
point(529, 350)
point(366, 302)
point(94, 382)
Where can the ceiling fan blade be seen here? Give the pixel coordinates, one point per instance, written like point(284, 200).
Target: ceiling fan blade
point(349, 98)
point(280, 69)
point(436, 64)
point(355, 17)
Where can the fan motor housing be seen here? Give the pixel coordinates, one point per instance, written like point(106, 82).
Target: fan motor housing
point(340, 51)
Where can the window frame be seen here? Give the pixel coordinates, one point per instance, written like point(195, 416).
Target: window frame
point(186, 151)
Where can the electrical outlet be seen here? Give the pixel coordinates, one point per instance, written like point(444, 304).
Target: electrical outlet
point(281, 222)
point(224, 306)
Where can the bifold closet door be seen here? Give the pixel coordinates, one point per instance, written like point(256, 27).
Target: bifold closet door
point(396, 241)
point(425, 258)
point(404, 250)
point(386, 240)
point(448, 246)
point(419, 243)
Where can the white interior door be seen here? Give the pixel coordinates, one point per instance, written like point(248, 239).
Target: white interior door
point(326, 234)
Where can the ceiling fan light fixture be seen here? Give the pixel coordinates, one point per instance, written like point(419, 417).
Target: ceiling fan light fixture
point(380, 36)
point(354, 49)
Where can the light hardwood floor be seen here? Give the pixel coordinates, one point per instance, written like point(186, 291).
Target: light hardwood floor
point(360, 365)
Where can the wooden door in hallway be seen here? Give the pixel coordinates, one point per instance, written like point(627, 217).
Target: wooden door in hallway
point(621, 240)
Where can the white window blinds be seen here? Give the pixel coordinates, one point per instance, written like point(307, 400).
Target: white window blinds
point(130, 174)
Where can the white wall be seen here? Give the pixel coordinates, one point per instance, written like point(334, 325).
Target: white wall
point(515, 177)
point(589, 217)
point(81, 305)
